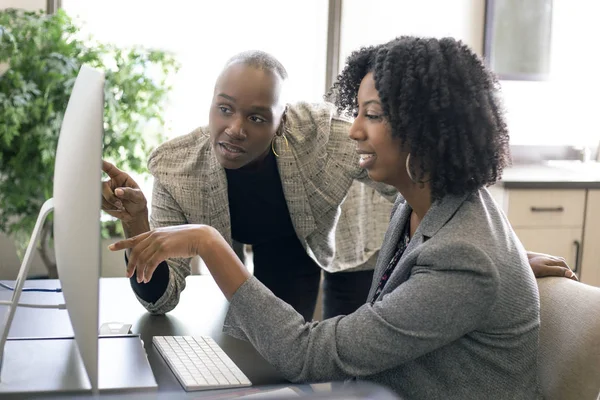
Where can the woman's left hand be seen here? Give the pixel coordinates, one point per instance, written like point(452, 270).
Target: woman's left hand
point(149, 249)
point(547, 265)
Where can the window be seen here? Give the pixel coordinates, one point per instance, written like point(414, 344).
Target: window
point(204, 35)
point(561, 111)
point(372, 22)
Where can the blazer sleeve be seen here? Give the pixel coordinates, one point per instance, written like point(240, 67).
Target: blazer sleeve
point(339, 140)
point(167, 212)
point(435, 306)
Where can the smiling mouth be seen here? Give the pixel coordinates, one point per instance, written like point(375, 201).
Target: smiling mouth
point(366, 160)
point(231, 148)
point(366, 157)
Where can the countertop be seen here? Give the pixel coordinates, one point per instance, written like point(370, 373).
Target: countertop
point(552, 175)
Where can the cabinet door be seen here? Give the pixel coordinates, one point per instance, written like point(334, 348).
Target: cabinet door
point(560, 242)
point(546, 208)
point(590, 261)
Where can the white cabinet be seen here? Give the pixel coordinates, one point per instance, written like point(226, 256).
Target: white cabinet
point(590, 260)
point(549, 221)
point(562, 242)
point(546, 208)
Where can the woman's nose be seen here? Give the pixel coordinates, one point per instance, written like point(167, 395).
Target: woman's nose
point(236, 130)
point(356, 131)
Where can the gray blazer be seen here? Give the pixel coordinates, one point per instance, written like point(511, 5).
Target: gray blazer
point(457, 319)
point(338, 219)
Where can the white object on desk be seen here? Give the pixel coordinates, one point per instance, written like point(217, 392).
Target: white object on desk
point(115, 328)
point(284, 393)
point(199, 363)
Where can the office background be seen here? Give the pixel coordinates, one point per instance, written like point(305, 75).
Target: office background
point(312, 38)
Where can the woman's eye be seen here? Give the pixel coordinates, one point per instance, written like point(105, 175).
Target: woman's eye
point(354, 114)
point(372, 116)
point(257, 119)
point(225, 110)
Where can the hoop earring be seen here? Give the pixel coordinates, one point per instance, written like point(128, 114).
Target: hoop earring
point(287, 145)
point(410, 176)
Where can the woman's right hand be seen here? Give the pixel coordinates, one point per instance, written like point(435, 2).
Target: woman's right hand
point(122, 198)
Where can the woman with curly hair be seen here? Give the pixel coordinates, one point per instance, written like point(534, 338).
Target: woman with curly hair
point(453, 309)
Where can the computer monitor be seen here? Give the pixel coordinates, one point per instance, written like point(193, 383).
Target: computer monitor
point(76, 203)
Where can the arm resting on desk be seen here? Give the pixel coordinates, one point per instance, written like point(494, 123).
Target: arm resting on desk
point(406, 324)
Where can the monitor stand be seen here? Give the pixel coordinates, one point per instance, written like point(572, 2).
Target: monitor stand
point(46, 209)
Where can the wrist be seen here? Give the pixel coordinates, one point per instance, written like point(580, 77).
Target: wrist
point(220, 259)
point(531, 254)
point(137, 225)
point(207, 238)
point(204, 238)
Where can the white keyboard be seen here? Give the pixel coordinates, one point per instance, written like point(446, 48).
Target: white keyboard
point(199, 363)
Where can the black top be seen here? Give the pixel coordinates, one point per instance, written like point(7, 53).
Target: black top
point(259, 216)
point(257, 206)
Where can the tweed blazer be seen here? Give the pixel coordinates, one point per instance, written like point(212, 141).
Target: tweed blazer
point(457, 319)
point(339, 220)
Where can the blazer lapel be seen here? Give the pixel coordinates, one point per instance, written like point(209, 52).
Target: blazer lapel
point(216, 192)
point(405, 264)
point(390, 243)
point(293, 188)
point(437, 216)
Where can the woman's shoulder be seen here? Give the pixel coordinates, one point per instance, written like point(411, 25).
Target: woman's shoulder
point(470, 231)
point(314, 121)
point(182, 153)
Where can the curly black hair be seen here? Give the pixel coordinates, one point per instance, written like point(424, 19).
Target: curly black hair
point(443, 104)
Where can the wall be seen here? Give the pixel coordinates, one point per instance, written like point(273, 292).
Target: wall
point(31, 5)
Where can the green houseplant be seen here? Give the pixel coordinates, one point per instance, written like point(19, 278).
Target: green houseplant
point(40, 56)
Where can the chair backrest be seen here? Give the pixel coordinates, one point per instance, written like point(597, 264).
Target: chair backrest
point(569, 350)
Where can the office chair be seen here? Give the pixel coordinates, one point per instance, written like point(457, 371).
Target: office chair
point(569, 348)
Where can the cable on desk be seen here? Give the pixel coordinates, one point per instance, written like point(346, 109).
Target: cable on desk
point(57, 290)
point(27, 305)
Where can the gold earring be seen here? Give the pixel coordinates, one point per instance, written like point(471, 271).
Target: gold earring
point(280, 133)
point(287, 145)
point(408, 169)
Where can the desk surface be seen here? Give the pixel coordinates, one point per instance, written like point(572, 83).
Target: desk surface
point(201, 311)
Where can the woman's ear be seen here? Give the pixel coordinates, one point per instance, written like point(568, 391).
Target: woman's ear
point(284, 116)
point(281, 128)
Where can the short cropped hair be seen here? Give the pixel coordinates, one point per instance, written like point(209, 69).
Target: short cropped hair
point(259, 59)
